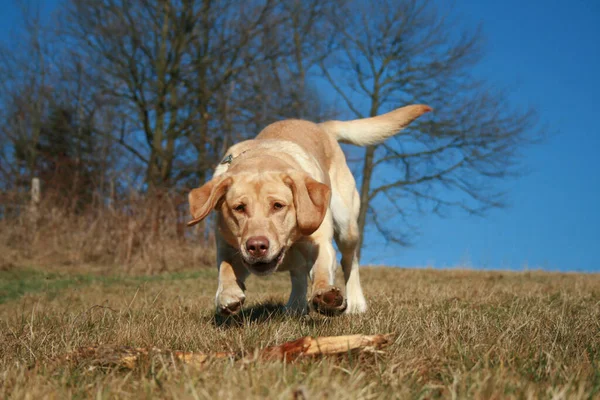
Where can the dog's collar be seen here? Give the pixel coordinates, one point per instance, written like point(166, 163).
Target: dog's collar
point(229, 158)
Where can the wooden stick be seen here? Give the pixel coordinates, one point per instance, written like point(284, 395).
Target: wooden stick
point(129, 357)
point(309, 346)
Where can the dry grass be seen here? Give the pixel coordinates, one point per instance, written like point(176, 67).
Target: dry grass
point(138, 233)
point(458, 334)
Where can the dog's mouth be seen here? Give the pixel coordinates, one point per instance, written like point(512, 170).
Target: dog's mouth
point(264, 267)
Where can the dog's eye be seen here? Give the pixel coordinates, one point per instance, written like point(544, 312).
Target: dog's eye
point(240, 208)
point(278, 206)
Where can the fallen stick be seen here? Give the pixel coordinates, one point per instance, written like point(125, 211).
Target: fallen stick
point(309, 346)
point(129, 357)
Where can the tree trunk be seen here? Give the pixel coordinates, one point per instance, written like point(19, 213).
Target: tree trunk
point(367, 171)
point(364, 194)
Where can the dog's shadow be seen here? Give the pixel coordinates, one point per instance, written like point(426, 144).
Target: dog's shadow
point(258, 313)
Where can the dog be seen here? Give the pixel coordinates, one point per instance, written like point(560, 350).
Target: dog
point(281, 199)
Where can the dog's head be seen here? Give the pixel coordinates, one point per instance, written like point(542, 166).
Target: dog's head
point(262, 214)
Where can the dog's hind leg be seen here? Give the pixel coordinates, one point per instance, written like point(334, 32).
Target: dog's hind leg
point(297, 303)
point(345, 218)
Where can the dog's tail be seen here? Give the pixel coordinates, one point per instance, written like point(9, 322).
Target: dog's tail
point(367, 131)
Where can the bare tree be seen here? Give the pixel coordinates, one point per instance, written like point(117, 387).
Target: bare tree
point(252, 65)
point(392, 53)
point(135, 52)
point(183, 74)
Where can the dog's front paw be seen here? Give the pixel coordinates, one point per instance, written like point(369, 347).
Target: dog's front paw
point(329, 301)
point(229, 302)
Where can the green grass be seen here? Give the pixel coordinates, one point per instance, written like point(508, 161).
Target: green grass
point(458, 334)
point(15, 283)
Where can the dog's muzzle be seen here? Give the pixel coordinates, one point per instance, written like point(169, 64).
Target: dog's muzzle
point(260, 267)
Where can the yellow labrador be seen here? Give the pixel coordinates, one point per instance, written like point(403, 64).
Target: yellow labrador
point(281, 199)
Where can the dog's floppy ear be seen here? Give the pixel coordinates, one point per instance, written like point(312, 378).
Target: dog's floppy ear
point(204, 199)
point(311, 200)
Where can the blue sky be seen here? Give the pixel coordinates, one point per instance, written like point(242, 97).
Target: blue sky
point(547, 53)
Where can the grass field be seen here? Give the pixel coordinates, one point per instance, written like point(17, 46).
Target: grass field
point(458, 334)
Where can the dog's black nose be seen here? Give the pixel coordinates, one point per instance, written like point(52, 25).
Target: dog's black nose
point(257, 246)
